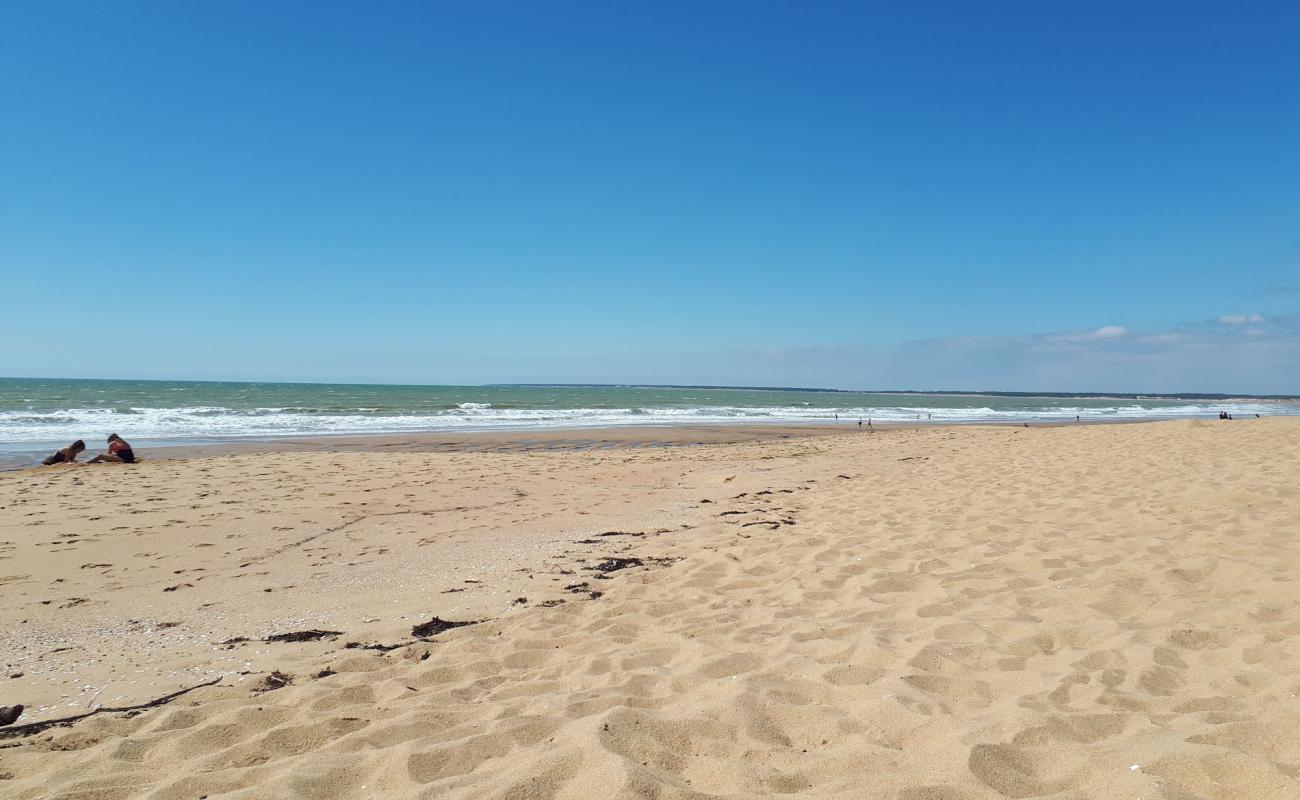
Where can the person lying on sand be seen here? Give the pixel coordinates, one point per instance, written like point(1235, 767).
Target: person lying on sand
point(66, 455)
point(119, 452)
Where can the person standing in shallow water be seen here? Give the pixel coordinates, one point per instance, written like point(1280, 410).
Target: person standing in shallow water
point(66, 455)
point(119, 452)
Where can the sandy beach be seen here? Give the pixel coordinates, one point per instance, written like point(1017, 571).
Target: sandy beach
point(941, 613)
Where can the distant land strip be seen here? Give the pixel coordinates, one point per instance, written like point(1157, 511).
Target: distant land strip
point(950, 392)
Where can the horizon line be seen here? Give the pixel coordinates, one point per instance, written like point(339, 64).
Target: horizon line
point(588, 385)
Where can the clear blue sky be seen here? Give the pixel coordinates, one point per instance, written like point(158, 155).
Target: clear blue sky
point(1033, 195)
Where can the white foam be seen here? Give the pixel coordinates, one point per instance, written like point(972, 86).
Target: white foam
point(21, 430)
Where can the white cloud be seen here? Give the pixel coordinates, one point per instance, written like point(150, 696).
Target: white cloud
point(1069, 338)
point(1241, 319)
point(1203, 356)
point(1110, 332)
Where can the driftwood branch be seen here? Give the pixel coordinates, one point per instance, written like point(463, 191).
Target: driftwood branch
point(29, 728)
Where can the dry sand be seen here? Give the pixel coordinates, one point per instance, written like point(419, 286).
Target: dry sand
point(933, 614)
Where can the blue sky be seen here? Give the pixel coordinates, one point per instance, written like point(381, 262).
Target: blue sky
point(1068, 196)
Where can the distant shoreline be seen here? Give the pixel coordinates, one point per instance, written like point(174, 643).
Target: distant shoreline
point(911, 392)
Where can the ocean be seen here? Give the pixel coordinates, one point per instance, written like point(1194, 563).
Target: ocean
point(38, 415)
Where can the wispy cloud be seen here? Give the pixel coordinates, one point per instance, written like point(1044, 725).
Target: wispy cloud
point(1241, 319)
point(1233, 353)
point(1072, 337)
point(1256, 355)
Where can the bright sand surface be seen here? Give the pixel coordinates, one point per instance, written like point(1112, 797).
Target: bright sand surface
point(1106, 611)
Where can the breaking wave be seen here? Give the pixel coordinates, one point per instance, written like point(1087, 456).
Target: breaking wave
point(24, 427)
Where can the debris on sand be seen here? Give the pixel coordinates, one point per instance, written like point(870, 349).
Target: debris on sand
point(583, 588)
point(615, 563)
point(383, 648)
point(276, 680)
point(36, 727)
point(302, 636)
point(599, 536)
point(436, 626)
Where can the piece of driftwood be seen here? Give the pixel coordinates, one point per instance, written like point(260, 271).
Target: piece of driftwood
point(29, 728)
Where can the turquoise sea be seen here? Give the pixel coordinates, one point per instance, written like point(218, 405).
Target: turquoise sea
point(39, 414)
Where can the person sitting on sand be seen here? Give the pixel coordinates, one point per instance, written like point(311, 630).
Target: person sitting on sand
point(119, 452)
point(66, 455)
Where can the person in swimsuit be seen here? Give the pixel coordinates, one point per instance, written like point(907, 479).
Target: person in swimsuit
point(66, 455)
point(119, 452)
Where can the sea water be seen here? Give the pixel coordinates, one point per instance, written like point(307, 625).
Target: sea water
point(42, 414)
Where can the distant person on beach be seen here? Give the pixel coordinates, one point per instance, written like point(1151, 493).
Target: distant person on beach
point(119, 452)
point(66, 455)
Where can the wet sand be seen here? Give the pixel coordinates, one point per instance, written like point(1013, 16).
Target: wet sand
point(629, 437)
point(938, 612)
point(593, 438)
